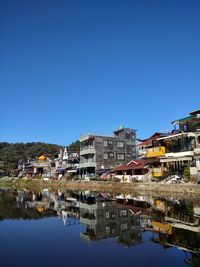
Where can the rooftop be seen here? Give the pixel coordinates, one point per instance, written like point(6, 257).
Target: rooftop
point(132, 165)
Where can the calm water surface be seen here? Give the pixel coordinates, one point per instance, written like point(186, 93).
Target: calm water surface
point(71, 228)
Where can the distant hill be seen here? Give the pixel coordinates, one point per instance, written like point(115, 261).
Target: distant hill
point(12, 153)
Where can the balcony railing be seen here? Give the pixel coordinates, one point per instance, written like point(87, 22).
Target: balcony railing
point(179, 154)
point(87, 137)
point(156, 152)
point(87, 163)
point(87, 150)
point(197, 150)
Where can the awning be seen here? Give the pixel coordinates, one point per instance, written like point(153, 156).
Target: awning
point(189, 134)
point(184, 119)
point(176, 159)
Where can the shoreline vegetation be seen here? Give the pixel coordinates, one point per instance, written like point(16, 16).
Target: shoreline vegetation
point(186, 190)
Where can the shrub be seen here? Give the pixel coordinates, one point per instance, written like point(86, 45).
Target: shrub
point(186, 173)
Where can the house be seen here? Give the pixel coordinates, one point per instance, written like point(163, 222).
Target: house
point(145, 144)
point(151, 150)
point(136, 168)
point(179, 149)
point(42, 166)
point(67, 162)
point(99, 153)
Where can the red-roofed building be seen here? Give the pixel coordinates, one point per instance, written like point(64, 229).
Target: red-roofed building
point(134, 167)
point(144, 145)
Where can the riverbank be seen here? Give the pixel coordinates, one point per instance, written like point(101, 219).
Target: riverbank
point(183, 190)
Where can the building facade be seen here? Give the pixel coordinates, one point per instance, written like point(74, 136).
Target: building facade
point(180, 149)
point(100, 153)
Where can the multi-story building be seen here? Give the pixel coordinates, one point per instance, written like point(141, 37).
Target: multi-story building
point(180, 149)
point(145, 145)
point(99, 153)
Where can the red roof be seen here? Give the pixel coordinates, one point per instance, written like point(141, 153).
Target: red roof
point(148, 142)
point(132, 165)
point(145, 143)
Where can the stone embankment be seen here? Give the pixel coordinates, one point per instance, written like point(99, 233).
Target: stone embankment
point(186, 189)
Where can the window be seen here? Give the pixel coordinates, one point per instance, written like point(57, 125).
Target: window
point(123, 213)
point(124, 226)
point(129, 146)
point(113, 215)
point(128, 156)
point(111, 155)
point(128, 135)
point(120, 156)
point(105, 143)
point(105, 155)
point(107, 215)
point(120, 144)
point(129, 143)
point(110, 142)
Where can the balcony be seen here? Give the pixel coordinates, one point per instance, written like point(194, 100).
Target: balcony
point(87, 206)
point(87, 163)
point(87, 137)
point(179, 154)
point(89, 222)
point(197, 150)
point(87, 150)
point(156, 152)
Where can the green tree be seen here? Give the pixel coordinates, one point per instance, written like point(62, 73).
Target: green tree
point(74, 147)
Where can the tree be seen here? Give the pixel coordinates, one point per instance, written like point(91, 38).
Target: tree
point(13, 153)
point(74, 147)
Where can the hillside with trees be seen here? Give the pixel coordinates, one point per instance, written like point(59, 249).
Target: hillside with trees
point(12, 153)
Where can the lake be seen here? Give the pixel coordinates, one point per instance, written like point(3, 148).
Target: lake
point(71, 228)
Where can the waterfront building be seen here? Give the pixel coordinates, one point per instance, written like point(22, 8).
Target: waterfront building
point(135, 170)
point(180, 149)
point(99, 153)
point(145, 144)
point(150, 150)
point(67, 162)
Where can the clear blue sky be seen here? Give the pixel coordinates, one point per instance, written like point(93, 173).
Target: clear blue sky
point(69, 67)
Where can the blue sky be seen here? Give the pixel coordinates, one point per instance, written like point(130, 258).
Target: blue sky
point(69, 67)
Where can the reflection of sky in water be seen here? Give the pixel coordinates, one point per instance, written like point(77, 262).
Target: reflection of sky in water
point(55, 236)
point(46, 242)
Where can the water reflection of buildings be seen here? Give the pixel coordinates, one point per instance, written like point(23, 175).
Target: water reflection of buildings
point(107, 218)
point(34, 205)
point(173, 222)
point(176, 223)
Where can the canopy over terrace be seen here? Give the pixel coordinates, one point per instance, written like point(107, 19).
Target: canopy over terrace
point(179, 142)
point(172, 136)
